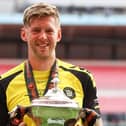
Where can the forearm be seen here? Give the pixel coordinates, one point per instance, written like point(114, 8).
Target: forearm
point(99, 122)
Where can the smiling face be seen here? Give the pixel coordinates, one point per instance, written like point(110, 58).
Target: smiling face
point(41, 35)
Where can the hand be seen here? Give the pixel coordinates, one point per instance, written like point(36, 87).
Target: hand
point(70, 122)
point(17, 114)
point(88, 116)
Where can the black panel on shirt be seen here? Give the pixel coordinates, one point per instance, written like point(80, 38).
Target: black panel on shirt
point(3, 106)
point(90, 99)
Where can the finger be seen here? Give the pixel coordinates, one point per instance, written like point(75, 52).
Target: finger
point(22, 124)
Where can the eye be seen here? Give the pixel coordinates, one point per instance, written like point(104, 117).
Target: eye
point(50, 31)
point(36, 30)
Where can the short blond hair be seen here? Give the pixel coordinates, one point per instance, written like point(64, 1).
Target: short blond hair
point(40, 10)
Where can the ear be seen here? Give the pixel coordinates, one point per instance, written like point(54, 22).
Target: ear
point(59, 36)
point(23, 34)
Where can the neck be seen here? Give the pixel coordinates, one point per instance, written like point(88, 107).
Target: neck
point(43, 64)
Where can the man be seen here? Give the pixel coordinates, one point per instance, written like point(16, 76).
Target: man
point(32, 78)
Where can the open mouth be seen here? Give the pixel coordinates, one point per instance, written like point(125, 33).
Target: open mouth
point(43, 46)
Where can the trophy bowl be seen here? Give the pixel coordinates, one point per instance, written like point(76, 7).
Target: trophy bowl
point(54, 108)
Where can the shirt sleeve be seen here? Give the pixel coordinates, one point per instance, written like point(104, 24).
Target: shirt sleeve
point(90, 92)
point(3, 109)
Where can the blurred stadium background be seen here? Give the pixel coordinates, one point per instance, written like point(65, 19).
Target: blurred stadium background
point(94, 36)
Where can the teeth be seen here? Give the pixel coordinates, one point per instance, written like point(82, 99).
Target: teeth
point(43, 45)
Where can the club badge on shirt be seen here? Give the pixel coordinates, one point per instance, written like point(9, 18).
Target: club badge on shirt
point(70, 92)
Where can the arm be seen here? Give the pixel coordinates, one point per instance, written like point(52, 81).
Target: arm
point(90, 114)
point(3, 108)
point(91, 101)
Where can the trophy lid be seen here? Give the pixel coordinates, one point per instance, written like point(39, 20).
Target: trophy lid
point(55, 98)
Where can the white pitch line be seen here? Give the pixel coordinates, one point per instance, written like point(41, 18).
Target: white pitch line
point(112, 93)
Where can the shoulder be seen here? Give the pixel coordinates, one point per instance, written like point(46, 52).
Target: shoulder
point(70, 66)
point(84, 75)
point(13, 71)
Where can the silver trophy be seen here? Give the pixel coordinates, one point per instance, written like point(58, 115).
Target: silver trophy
point(54, 108)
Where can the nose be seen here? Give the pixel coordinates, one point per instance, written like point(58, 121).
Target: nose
point(42, 35)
